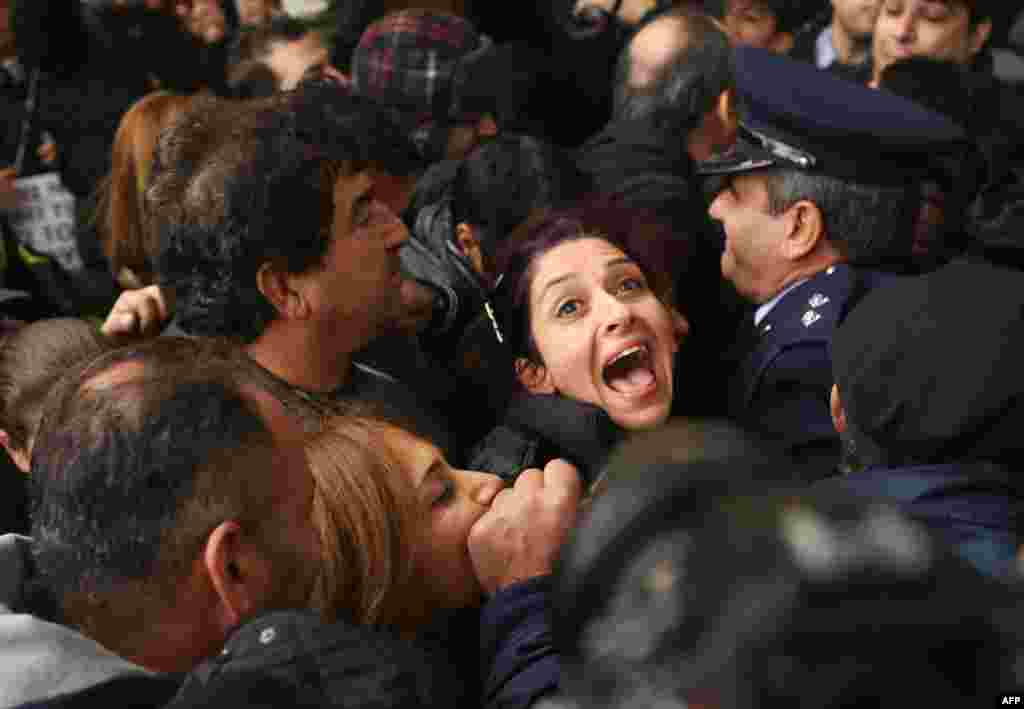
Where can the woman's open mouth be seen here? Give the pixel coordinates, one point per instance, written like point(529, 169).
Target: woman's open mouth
point(631, 372)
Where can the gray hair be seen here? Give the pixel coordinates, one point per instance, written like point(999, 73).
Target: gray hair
point(868, 224)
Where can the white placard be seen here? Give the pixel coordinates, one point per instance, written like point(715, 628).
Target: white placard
point(45, 221)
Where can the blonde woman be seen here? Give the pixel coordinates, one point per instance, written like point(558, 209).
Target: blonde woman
point(405, 537)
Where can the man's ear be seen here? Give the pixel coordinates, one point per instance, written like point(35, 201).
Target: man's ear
point(979, 36)
point(237, 572)
point(728, 116)
point(807, 228)
point(534, 377)
point(469, 245)
point(284, 291)
point(18, 456)
point(837, 410)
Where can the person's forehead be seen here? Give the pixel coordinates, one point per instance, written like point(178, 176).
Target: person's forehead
point(753, 182)
point(738, 6)
point(573, 258)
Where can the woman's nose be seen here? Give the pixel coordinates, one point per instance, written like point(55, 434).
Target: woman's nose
point(481, 487)
point(617, 316)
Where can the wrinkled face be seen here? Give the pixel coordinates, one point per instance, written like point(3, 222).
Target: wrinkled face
point(603, 335)
point(291, 60)
point(355, 294)
point(926, 28)
point(752, 23)
point(752, 236)
point(449, 503)
point(856, 17)
point(255, 12)
point(293, 542)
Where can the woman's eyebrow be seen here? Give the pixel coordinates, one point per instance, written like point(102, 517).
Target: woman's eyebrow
point(555, 281)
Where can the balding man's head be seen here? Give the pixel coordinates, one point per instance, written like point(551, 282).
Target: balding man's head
point(677, 66)
point(149, 461)
point(654, 48)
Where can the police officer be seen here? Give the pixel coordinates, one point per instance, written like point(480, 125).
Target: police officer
point(821, 185)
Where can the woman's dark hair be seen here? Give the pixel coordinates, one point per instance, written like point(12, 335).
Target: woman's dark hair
point(500, 183)
point(655, 249)
point(31, 361)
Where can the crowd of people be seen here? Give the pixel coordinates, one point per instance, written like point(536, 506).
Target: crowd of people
point(616, 353)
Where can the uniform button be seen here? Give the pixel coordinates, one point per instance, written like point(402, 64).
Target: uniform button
point(268, 635)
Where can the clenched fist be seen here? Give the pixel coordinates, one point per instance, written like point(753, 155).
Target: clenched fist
point(518, 538)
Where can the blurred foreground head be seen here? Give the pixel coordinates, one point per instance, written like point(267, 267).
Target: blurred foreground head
point(713, 583)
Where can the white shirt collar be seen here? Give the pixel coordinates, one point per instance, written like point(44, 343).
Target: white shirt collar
point(765, 308)
point(824, 51)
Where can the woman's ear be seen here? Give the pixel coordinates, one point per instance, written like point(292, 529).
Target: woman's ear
point(18, 456)
point(284, 291)
point(469, 246)
point(534, 377)
point(680, 325)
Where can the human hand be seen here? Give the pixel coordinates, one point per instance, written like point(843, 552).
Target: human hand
point(137, 314)
point(518, 538)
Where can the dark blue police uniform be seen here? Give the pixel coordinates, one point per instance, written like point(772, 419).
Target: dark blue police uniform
point(798, 118)
point(782, 381)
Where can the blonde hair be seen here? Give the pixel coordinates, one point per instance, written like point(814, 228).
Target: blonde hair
point(127, 243)
point(364, 509)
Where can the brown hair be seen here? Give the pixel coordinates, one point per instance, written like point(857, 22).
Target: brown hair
point(364, 510)
point(120, 211)
point(31, 361)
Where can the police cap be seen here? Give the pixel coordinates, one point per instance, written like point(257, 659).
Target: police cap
point(795, 115)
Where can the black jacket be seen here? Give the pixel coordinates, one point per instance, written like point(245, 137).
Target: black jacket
point(97, 65)
point(539, 428)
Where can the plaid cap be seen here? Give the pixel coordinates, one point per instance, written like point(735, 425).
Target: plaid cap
point(410, 59)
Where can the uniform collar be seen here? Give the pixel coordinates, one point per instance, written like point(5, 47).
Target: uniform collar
point(765, 308)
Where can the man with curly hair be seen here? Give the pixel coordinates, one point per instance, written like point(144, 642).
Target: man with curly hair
point(277, 227)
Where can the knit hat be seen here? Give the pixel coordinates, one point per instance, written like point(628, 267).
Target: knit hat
point(929, 368)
